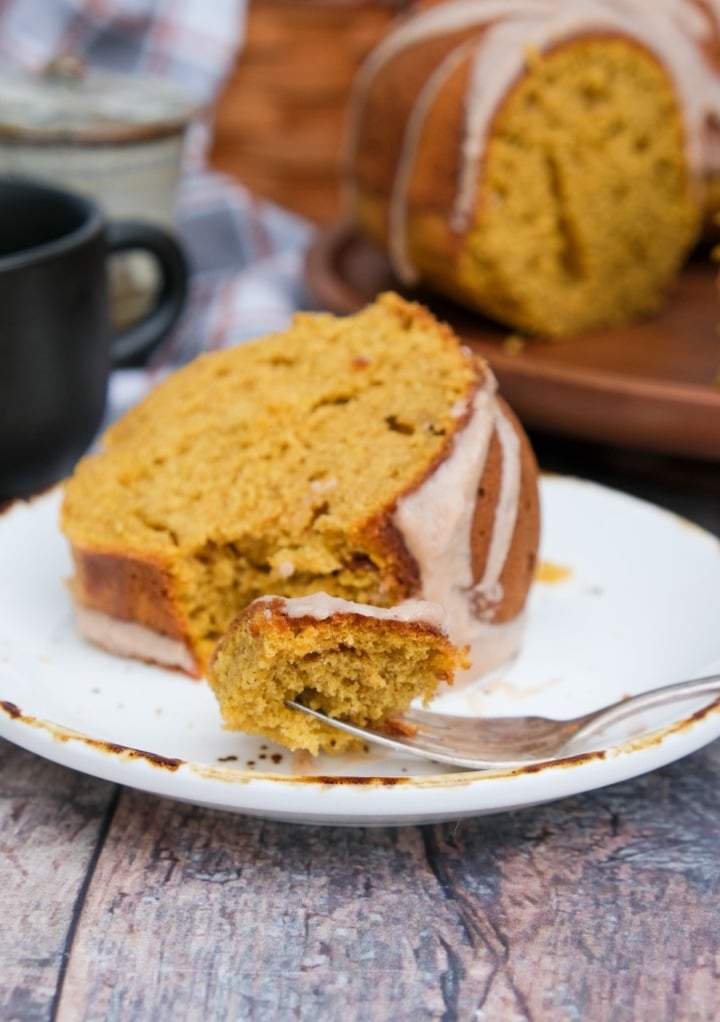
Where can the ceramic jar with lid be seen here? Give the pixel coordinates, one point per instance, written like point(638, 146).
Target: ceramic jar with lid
point(115, 138)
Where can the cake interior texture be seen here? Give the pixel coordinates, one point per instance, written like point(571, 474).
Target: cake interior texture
point(583, 209)
point(354, 667)
point(270, 468)
point(599, 216)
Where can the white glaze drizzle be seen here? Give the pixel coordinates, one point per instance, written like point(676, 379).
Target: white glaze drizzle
point(489, 588)
point(435, 522)
point(397, 233)
point(674, 33)
point(320, 606)
point(129, 639)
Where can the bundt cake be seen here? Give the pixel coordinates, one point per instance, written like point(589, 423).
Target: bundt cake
point(548, 162)
point(366, 456)
point(358, 663)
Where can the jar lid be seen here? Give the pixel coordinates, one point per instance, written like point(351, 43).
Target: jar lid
point(69, 103)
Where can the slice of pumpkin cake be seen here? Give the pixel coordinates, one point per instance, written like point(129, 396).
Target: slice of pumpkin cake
point(367, 456)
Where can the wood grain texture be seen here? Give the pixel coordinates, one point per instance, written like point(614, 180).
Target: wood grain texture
point(50, 822)
point(600, 907)
point(279, 122)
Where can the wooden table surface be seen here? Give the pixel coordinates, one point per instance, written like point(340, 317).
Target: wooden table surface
point(120, 905)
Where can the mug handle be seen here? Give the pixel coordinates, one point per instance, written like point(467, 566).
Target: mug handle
point(131, 345)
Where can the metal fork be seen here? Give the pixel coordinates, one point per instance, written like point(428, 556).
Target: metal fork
point(481, 743)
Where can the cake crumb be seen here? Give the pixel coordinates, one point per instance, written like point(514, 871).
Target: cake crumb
point(323, 485)
point(550, 573)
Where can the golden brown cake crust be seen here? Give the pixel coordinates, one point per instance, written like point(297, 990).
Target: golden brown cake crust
point(269, 615)
point(128, 588)
point(520, 563)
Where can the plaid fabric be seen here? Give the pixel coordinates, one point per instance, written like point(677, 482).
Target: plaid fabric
point(192, 42)
point(246, 255)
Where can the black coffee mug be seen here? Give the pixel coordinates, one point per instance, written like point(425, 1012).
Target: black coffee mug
point(56, 344)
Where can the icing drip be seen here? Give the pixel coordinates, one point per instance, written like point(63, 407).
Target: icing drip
point(321, 606)
point(398, 206)
point(487, 593)
point(436, 520)
point(675, 33)
point(129, 639)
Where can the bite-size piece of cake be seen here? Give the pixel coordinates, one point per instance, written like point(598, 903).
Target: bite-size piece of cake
point(358, 663)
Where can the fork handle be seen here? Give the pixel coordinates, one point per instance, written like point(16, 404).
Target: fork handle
point(598, 720)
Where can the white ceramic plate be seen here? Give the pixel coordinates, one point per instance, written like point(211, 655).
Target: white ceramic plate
point(630, 601)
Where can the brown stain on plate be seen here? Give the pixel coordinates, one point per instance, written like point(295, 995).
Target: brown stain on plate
point(565, 762)
point(128, 752)
point(444, 780)
point(234, 776)
point(657, 737)
point(359, 782)
point(64, 734)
